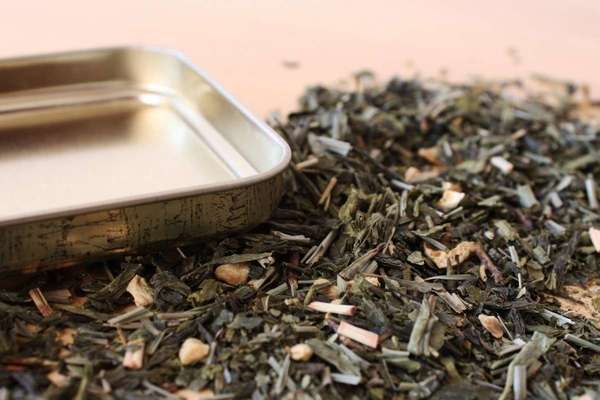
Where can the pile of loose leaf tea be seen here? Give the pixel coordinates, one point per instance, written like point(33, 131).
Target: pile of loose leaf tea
point(435, 240)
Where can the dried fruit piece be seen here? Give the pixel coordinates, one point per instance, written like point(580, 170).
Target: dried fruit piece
point(189, 394)
point(58, 379)
point(66, 336)
point(492, 325)
point(414, 175)
point(595, 238)
point(233, 274)
point(502, 164)
point(141, 292)
point(134, 355)
point(301, 352)
point(451, 186)
point(431, 154)
point(450, 200)
point(193, 350)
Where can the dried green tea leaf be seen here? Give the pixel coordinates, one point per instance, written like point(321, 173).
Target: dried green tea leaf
point(105, 298)
point(420, 342)
point(526, 196)
point(169, 291)
point(536, 347)
point(244, 322)
point(329, 353)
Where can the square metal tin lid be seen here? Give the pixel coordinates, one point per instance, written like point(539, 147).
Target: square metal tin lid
point(100, 129)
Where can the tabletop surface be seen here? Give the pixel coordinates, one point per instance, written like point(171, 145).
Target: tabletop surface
point(265, 52)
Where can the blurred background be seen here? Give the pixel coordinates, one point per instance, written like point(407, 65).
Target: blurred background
point(265, 52)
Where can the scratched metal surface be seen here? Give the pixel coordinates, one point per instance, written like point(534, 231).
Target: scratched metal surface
point(65, 241)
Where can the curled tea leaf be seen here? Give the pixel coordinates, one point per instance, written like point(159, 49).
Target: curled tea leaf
point(169, 291)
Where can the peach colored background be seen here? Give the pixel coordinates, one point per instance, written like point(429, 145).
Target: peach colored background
point(243, 44)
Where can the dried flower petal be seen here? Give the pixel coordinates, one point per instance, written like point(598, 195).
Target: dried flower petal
point(444, 259)
point(462, 251)
point(492, 325)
